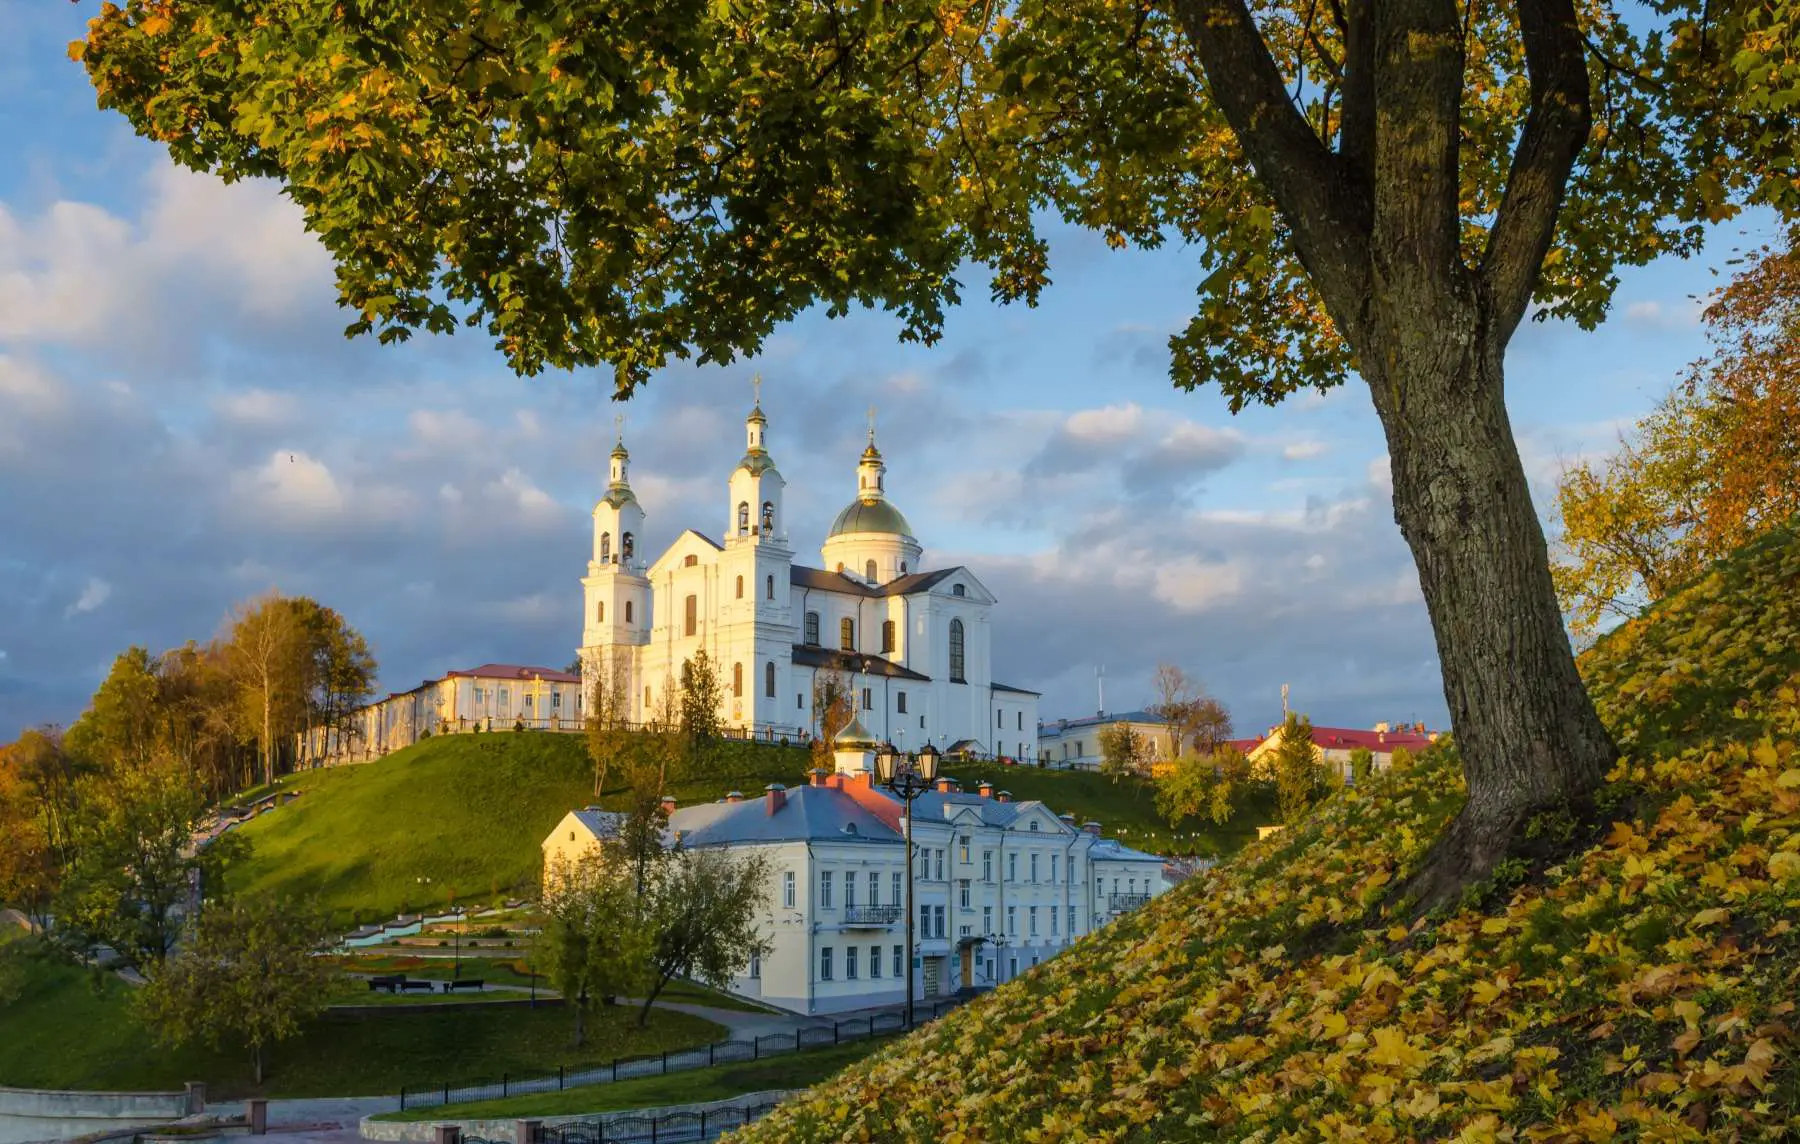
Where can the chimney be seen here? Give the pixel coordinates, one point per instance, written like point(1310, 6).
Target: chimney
point(1066, 819)
point(735, 796)
point(986, 789)
point(776, 796)
point(1419, 728)
point(1380, 727)
point(668, 804)
point(1005, 796)
point(1091, 827)
point(816, 776)
point(945, 783)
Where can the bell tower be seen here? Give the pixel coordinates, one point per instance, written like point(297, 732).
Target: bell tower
point(615, 592)
point(755, 488)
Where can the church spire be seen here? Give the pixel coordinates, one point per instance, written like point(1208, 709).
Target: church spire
point(756, 425)
point(621, 459)
point(870, 470)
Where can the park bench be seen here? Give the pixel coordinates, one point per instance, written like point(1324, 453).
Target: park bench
point(410, 986)
point(463, 983)
point(389, 983)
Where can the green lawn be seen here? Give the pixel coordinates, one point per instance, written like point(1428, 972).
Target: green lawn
point(790, 1070)
point(72, 1028)
point(1125, 810)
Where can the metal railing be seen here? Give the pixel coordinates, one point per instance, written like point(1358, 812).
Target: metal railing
point(871, 915)
point(1119, 903)
point(819, 1036)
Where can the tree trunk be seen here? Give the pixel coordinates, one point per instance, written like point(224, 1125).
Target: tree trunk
point(256, 1063)
point(1528, 734)
point(644, 1013)
point(268, 744)
point(581, 1004)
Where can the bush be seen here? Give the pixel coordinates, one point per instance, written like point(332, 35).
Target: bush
point(518, 724)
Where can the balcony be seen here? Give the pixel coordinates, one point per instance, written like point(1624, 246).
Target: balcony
point(863, 916)
point(1119, 903)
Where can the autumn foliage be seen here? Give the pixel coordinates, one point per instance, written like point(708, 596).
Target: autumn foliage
point(1642, 988)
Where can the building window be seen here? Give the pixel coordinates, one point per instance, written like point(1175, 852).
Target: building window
point(874, 888)
point(1012, 921)
point(755, 966)
point(874, 961)
point(903, 568)
point(628, 611)
point(646, 700)
point(938, 913)
point(940, 864)
point(987, 865)
point(692, 626)
point(924, 863)
point(800, 700)
point(924, 920)
point(1053, 867)
point(962, 849)
point(605, 547)
point(1012, 867)
point(743, 517)
point(999, 718)
point(737, 680)
point(1053, 930)
point(1034, 867)
point(921, 722)
point(740, 588)
point(825, 963)
point(769, 679)
point(825, 889)
point(600, 612)
point(1033, 827)
point(812, 629)
point(887, 635)
point(1032, 919)
point(1021, 727)
point(769, 588)
point(987, 920)
point(962, 885)
point(956, 651)
point(868, 699)
point(897, 894)
point(869, 570)
point(849, 963)
point(555, 700)
point(690, 560)
point(849, 890)
point(899, 960)
point(958, 590)
point(847, 634)
point(787, 889)
point(768, 521)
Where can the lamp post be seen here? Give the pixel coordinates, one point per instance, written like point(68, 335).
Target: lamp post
point(908, 777)
point(456, 965)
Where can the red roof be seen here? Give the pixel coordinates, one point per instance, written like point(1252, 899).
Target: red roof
point(1243, 746)
point(1380, 742)
point(515, 671)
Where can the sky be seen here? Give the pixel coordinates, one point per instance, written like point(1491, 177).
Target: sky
point(183, 426)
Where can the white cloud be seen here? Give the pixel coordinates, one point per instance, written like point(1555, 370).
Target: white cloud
point(1108, 425)
point(291, 488)
point(449, 430)
point(1679, 314)
point(93, 594)
point(1381, 474)
point(516, 487)
point(1304, 450)
point(260, 408)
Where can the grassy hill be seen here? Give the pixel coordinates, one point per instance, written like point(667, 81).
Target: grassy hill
point(460, 817)
point(1644, 988)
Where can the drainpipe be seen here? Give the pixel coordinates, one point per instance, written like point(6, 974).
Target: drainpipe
point(812, 928)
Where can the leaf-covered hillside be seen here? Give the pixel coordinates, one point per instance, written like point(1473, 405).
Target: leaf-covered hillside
point(1644, 989)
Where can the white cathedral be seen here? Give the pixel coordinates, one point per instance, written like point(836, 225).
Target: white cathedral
point(915, 646)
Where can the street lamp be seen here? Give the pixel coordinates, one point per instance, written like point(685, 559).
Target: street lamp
point(908, 777)
point(456, 966)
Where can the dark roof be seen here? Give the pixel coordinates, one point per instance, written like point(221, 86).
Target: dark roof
point(1109, 717)
point(707, 538)
point(515, 671)
point(841, 582)
point(808, 656)
point(807, 813)
point(1010, 687)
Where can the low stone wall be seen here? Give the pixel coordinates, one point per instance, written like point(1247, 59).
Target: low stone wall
point(46, 1104)
point(511, 1002)
point(425, 1131)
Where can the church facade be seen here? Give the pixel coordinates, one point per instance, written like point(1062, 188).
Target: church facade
point(915, 645)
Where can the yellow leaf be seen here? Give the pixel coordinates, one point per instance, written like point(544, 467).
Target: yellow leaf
point(1391, 1048)
point(1710, 917)
point(1784, 866)
point(1789, 779)
point(1333, 1025)
point(1494, 926)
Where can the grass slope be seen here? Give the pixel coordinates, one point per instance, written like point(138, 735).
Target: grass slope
point(72, 1028)
point(1644, 988)
point(789, 1070)
point(461, 817)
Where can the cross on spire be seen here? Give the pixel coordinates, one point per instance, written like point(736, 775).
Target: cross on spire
point(871, 424)
point(756, 387)
point(619, 427)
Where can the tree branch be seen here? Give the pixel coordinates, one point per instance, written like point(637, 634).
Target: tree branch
point(1556, 129)
point(1418, 54)
point(1356, 139)
point(1328, 218)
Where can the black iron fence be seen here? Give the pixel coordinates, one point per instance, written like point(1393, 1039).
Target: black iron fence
point(817, 1036)
point(666, 1129)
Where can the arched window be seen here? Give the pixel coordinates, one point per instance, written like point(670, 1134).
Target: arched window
point(646, 701)
point(628, 611)
point(690, 560)
point(600, 612)
point(903, 568)
point(693, 616)
point(869, 570)
point(743, 517)
point(887, 635)
point(737, 680)
point(847, 634)
point(740, 587)
point(769, 679)
point(768, 517)
point(811, 635)
point(956, 651)
point(605, 547)
point(769, 589)
point(958, 590)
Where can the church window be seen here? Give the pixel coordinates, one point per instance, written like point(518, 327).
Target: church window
point(690, 560)
point(956, 651)
point(693, 616)
point(737, 680)
point(800, 700)
point(902, 701)
point(769, 587)
point(1021, 721)
point(768, 517)
point(958, 590)
point(869, 570)
point(868, 699)
point(887, 637)
point(646, 700)
point(628, 611)
point(740, 587)
point(605, 547)
point(743, 517)
point(625, 548)
point(812, 629)
point(847, 634)
point(903, 568)
point(999, 718)
point(769, 679)
point(600, 612)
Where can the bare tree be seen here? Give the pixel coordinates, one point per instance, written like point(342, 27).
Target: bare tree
point(264, 653)
point(608, 722)
point(832, 709)
point(1196, 721)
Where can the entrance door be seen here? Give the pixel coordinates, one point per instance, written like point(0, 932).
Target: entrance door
point(968, 966)
point(934, 975)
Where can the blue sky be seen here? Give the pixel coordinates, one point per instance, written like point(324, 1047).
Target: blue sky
point(182, 425)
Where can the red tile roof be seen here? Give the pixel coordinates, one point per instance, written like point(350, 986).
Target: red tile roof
point(515, 671)
point(1380, 742)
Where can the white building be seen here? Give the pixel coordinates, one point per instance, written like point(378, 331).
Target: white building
point(1074, 744)
point(914, 644)
point(998, 885)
